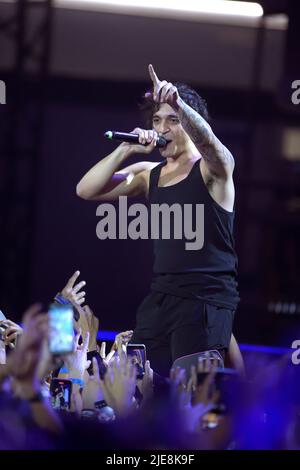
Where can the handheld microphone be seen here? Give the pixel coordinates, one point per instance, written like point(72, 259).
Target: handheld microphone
point(133, 138)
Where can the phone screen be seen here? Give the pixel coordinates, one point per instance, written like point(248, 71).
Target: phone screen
point(2, 316)
point(2, 327)
point(61, 333)
point(60, 391)
point(137, 354)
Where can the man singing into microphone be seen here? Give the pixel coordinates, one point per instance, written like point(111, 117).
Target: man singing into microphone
point(194, 293)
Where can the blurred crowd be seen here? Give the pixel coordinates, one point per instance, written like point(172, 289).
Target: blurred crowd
point(92, 398)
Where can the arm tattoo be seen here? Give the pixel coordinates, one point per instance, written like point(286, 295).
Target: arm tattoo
point(200, 132)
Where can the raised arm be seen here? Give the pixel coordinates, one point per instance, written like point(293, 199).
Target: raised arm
point(218, 159)
point(105, 181)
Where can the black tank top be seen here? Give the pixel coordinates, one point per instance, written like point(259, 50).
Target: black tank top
point(208, 273)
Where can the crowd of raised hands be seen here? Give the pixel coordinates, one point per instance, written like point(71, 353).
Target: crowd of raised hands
point(106, 393)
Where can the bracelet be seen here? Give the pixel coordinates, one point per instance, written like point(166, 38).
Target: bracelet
point(61, 299)
point(77, 382)
point(87, 413)
point(100, 404)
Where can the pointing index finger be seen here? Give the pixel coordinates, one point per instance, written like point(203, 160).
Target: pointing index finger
point(153, 75)
point(72, 279)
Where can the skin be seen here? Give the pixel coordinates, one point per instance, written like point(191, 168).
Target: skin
point(191, 139)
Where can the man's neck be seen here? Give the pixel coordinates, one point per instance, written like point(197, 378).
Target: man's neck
point(183, 159)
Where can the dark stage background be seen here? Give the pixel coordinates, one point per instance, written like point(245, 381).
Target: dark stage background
point(52, 132)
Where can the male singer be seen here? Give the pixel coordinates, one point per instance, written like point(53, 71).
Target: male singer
point(194, 294)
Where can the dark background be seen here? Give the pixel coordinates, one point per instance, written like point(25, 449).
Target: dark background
point(72, 75)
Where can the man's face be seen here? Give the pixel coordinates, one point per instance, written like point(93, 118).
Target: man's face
point(166, 123)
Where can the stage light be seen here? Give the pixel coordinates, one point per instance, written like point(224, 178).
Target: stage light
point(218, 7)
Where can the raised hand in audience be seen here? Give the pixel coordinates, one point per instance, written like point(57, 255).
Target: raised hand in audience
point(119, 384)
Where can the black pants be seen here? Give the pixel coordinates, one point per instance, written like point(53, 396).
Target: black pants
point(172, 327)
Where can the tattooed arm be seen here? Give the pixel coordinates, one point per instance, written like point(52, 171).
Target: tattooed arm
point(217, 157)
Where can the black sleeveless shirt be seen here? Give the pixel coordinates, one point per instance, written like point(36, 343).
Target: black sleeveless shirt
point(207, 273)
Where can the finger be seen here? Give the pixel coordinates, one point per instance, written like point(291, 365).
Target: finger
point(8, 323)
point(164, 91)
point(10, 337)
point(81, 301)
point(125, 337)
point(173, 90)
point(78, 286)
point(109, 356)
point(79, 295)
point(153, 143)
point(158, 90)
point(155, 135)
point(121, 352)
point(182, 377)
point(147, 367)
point(125, 333)
point(96, 369)
point(150, 147)
point(137, 131)
point(10, 330)
point(153, 75)
point(103, 350)
point(142, 137)
point(190, 385)
point(72, 279)
point(149, 136)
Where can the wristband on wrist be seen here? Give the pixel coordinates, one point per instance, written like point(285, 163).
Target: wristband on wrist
point(77, 382)
point(88, 413)
point(60, 299)
point(100, 404)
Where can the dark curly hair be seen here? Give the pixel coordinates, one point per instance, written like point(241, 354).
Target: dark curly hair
point(148, 107)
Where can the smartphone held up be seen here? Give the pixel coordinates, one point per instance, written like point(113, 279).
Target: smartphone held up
point(61, 329)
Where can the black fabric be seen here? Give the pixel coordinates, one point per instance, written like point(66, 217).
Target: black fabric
point(172, 327)
point(209, 273)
